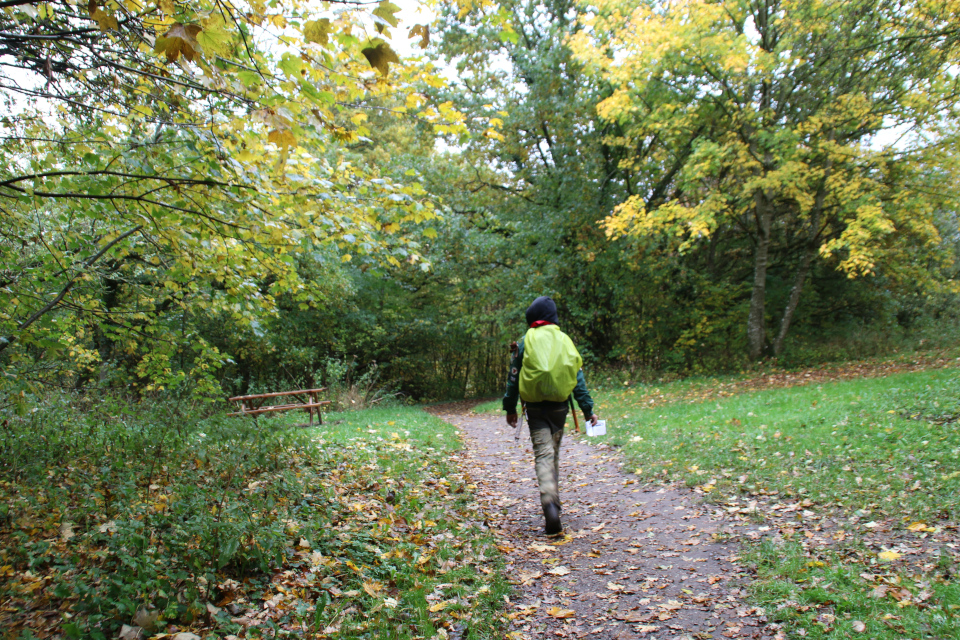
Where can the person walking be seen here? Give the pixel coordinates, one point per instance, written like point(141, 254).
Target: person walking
point(544, 371)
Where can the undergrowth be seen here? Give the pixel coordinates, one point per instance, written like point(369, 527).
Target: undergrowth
point(170, 518)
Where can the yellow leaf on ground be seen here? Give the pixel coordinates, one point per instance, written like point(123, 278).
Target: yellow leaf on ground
point(560, 571)
point(557, 612)
point(889, 555)
point(917, 526)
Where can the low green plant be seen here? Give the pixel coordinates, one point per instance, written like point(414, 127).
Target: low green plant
point(350, 389)
point(166, 516)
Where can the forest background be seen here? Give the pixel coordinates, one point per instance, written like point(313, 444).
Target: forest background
point(206, 199)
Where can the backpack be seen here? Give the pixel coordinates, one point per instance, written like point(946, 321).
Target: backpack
point(550, 365)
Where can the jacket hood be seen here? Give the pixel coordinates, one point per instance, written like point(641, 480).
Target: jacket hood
point(544, 309)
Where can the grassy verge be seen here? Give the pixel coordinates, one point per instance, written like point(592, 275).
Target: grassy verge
point(849, 492)
point(493, 406)
point(161, 519)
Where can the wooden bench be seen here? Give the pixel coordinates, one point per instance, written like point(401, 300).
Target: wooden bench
point(302, 399)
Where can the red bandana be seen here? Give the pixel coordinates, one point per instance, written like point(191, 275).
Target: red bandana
point(539, 323)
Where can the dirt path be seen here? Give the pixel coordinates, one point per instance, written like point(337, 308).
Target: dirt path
point(635, 563)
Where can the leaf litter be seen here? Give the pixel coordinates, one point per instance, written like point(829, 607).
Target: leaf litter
point(371, 540)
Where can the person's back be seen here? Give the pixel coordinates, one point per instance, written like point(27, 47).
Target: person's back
point(544, 372)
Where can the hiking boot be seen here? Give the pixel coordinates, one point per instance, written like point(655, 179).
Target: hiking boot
point(551, 514)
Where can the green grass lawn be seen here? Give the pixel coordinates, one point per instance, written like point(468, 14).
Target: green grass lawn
point(869, 466)
point(862, 444)
point(492, 406)
point(172, 521)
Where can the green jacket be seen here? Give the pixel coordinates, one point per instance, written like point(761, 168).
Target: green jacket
point(510, 398)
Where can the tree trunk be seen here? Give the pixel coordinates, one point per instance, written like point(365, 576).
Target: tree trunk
point(802, 270)
point(756, 324)
point(804, 267)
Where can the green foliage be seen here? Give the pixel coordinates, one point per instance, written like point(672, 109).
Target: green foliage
point(168, 163)
point(162, 510)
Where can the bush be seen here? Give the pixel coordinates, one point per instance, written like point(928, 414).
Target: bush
point(116, 506)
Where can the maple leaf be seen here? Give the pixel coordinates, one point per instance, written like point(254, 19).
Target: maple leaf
point(106, 21)
point(423, 31)
point(385, 11)
point(317, 31)
point(180, 39)
point(380, 57)
point(282, 138)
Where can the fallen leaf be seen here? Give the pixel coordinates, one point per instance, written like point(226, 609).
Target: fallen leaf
point(146, 619)
point(131, 633)
point(859, 627)
point(888, 556)
point(557, 612)
point(66, 531)
point(880, 591)
point(559, 571)
point(527, 577)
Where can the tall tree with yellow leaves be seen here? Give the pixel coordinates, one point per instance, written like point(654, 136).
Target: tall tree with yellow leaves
point(802, 125)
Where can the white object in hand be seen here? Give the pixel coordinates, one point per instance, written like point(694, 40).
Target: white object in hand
point(598, 429)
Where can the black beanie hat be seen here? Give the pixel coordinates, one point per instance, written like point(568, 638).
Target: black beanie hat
point(543, 308)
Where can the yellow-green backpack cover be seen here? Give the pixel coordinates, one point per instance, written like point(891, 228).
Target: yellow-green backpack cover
point(550, 365)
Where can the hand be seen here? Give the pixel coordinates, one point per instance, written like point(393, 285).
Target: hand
point(593, 420)
point(512, 420)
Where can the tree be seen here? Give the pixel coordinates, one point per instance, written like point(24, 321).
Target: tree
point(771, 121)
point(535, 175)
point(162, 161)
